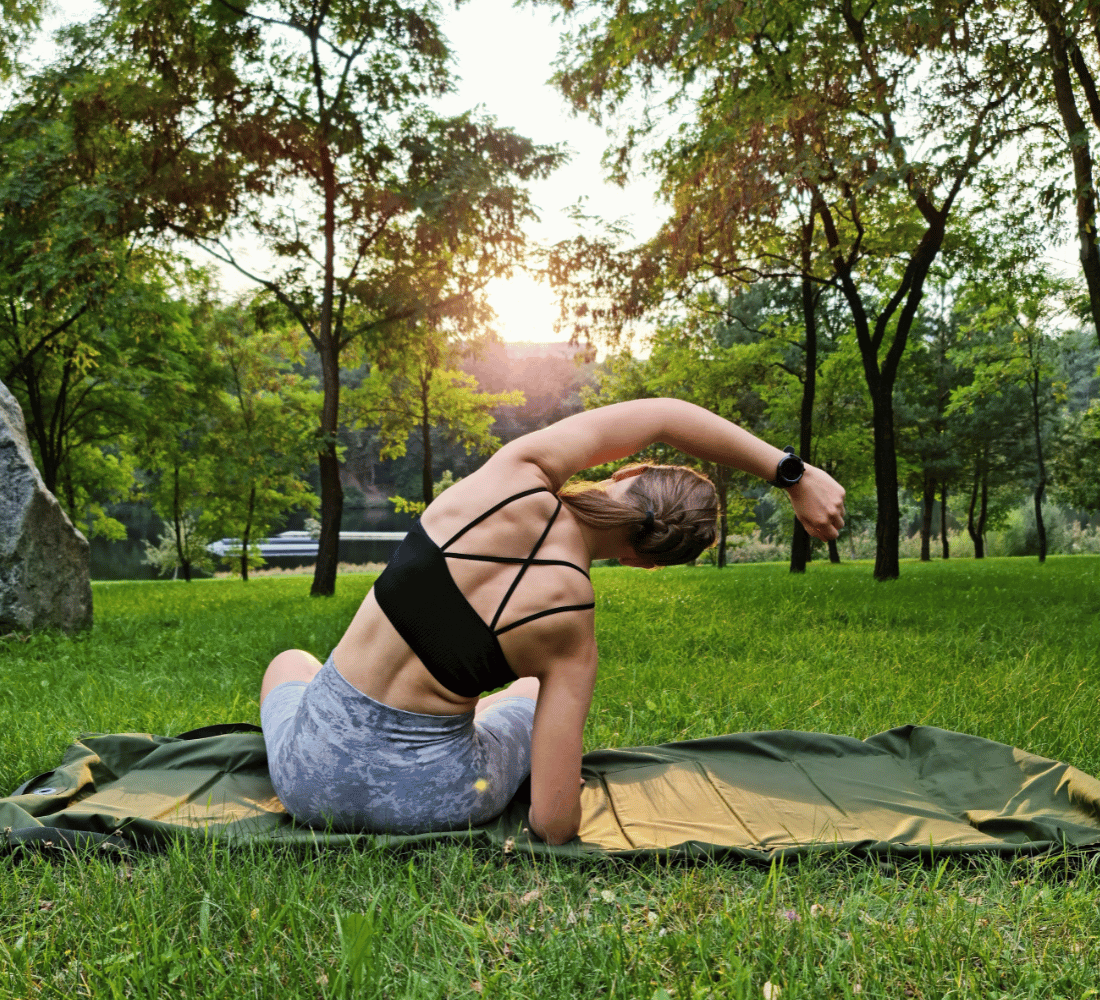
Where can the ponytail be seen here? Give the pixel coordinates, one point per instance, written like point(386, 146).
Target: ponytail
point(670, 511)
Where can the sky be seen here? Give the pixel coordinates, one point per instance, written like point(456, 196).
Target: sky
point(504, 57)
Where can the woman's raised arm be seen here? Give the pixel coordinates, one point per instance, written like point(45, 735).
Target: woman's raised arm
point(621, 429)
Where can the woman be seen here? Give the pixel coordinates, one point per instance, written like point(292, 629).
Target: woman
point(491, 587)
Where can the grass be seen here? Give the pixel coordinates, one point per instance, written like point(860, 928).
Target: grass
point(1006, 649)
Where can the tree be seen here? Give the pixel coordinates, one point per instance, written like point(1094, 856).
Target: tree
point(1062, 60)
point(928, 438)
point(83, 393)
point(1076, 463)
point(87, 327)
point(1013, 321)
point(264, 433)
point(419, 387)
point(793, 112)
point(376, 212)
point(86, 321)
point(181, 461)
point(834, 432)
point(19, 22)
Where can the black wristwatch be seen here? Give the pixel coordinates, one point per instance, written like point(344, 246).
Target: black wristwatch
point(789, 470)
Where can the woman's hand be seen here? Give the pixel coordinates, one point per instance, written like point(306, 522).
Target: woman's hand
point(818, 502)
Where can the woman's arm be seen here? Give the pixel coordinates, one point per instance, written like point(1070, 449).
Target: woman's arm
point(565, 694)
point(613, 432)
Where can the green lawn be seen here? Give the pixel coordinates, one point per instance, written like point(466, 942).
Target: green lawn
point(1005, 649)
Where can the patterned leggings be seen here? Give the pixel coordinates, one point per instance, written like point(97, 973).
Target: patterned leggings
point(343, 761)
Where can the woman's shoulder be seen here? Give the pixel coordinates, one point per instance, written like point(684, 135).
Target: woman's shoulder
point(495, 482)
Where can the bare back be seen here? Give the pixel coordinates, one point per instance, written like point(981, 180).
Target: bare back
point(374, 657)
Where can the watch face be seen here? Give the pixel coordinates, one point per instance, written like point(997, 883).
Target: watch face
point(790, 470)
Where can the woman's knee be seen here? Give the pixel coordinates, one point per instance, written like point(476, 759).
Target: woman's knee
point(289, 665)
point(524, 687)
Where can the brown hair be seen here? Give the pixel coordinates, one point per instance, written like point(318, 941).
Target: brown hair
point(671, 511)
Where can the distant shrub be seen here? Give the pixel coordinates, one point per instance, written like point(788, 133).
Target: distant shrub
point(753, 549)
point(1017, 537)
point(1084, 540)
point(1020, 536)
point(165, 557)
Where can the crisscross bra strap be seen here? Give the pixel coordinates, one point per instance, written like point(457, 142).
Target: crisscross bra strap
point(515, 559)
point(543, 614)
point(492, 510)
point(477, 557)
point(525, 563)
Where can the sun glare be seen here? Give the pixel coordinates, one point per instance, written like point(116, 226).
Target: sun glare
point(526, 309)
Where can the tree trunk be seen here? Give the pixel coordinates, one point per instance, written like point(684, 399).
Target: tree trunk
point(1076, 132)
point(427, 487)
point(928, 501)
point(1040, 527)
point(328, 344)
point(332, 493)
point(943, 522)
point(976, 529)
point(722, 476)
point(888, 522)
point(177, 518)
point(881, 376)
point(834, 550)
point(1041, 486)
point(801, 544)
point(801, 541)
point(247, 533)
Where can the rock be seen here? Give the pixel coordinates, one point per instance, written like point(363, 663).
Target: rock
point(44, 561)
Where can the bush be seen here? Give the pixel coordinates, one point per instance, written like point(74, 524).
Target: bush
point(1017, 537)
point(754, 549)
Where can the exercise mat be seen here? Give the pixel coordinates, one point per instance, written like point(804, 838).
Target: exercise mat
point(912, 791)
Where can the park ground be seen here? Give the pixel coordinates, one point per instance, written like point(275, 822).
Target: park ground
point(1006, 649)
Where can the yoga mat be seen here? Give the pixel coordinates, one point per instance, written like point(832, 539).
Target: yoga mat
point(912, 791)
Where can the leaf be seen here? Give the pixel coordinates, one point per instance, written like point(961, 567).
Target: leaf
point(357, 933)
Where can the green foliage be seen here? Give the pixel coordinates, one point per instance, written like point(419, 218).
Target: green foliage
point(1076, 465)
point(88, 331)
point(417, 507)
point(788, 158)
point(1010, 388)
point(265, 433)
point(19, 20)
point(417, 387)
point(83, 390)
point(740, 356)
point(182, 543)
point(234, 429)
point(378, 213)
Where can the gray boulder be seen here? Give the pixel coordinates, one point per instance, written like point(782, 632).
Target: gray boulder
point(44, 566)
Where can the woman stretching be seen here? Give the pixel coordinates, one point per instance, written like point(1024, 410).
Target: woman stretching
point(491, 588)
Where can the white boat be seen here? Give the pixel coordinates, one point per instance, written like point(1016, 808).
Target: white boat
point(299, 544)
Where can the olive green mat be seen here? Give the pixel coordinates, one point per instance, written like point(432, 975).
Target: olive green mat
point(912, 791)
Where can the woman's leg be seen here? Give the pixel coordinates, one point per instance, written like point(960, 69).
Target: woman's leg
point(524, 687)
point(289, 665)
point(503, 724)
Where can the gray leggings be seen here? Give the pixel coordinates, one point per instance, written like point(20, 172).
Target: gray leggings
point(341, 760)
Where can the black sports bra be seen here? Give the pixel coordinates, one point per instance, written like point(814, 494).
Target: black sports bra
point(418, 595)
